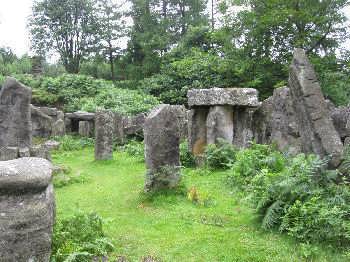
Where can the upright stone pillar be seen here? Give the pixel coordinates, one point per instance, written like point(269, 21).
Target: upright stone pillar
point(85, 128)
point(15, 115)
point(162, 142)
point(197, 138)
point(317, 132)
point(26, 210)
point(220, 124)
point(119, 128)
point(104, 127)
point(243, 127)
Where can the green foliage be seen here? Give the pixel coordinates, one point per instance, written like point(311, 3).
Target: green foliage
point(63, 176)
point(135, 149)
point(187, 159)
point(72, 143)
point(221, 155)
point(79, 238)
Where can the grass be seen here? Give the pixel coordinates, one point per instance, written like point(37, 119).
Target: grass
point(169, 226)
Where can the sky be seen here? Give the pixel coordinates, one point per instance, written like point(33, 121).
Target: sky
point(13, 20)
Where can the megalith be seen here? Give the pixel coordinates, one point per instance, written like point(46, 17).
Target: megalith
point(316, 128)
point(26, 210)
point(162, 131)
point(85, 128)
point(104, 129)
point(216, 113)
point(15, 114)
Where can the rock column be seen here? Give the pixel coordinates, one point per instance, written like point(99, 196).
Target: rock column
point(26, 210)
point(104, 128)
point(162, 140)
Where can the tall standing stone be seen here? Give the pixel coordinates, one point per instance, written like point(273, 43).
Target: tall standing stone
point(162, 139)
point(316, 128)
point(104, 128)
point(15, 114)
point(85, 128)
point(26, 210)
point(220, 124)
point(197, 131)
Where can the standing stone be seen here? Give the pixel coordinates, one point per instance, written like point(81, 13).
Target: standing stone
point(220, 124)
point(316, 128)
point(15, 114)
point(68, 125)
point(197, 131)
point(26, 210)
point(243, 127)
point(85, 128)
point(119, 128)
point(104, 127)
point(41, 123)
point(59, 128)
point(162, 140)
point(8, 153)
point(262, 119)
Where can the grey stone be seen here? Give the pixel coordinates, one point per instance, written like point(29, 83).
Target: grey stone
point(52, 145)
point(104, 128)
point(24, 152)
point(81, 116)
point(40, 151)
point(197, 131)
point(262, 122)
point(85, 128)
point(50, 111)
point(41, 123)
point(341, 120)
point(243, 127)
point(318, 134)
point(68, 125)
point(59, 128)
point(15, 114)
point(8, 153)
point(60, 115)
point(223, 96)
point(219, 124)
point(162, 140)
point(119, 135)
point(133, 125)
point(26, 210)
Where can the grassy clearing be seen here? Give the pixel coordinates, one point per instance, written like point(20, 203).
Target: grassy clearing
point(169, 226)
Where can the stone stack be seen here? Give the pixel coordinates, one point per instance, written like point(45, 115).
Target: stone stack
point(26, 210)
point(162, 131)
point(104, 129)
point(220, 113)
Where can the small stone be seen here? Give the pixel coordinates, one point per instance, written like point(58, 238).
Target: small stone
point(52, 145)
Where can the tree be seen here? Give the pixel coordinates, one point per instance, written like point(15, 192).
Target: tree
point(64, 26)
point(111, 28)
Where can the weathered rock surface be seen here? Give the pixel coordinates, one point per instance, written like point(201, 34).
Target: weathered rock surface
point(133, 125)
point(162, 140)
point(318, 134)
point(26, 210)
point(81, 115)
point(341, 121)
point(41, 122)
point(104, 127)
point(262, 122)
point(197, 130)
point(24, 152)
point(119, 135)
point(8, 153)
point(58, 128)
point(40, 151)
point(15, 114)
point(219, 124)
point(223, 96)
point(243, 127)
point(85, 128)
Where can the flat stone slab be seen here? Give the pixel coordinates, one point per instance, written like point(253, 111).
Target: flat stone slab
point(25, 173)
point(247, 97)
point(81, 115)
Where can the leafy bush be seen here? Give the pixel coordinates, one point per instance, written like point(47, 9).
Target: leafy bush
point(62, 176)
point(135, 149)
point(72, 143)
point(221, 155)
point(186, 157)
point(79, 238)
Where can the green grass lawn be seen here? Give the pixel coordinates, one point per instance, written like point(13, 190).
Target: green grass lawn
point(170, 227)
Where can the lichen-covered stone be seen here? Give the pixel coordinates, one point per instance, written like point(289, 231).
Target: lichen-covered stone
point(81, 116)
point(58, 128)
point(41, 122)
point(119, 135)
point(8, 153)
point(243, 127)
point(262, 119)
point(85, 128)
point(15, 114)
point(104, 129)
point(316, 128)
point(223, 96)
point(26, 210)
point(219, 124)
point(133, 125)
point(162, 140)
point(40, 151)
point(197, 130)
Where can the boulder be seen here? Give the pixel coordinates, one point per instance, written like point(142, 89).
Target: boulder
point(318, 134)
point(247, 97)
point(162, 142)
point(40, 151)
point(15, 114)
point(26, 210)
point(104, 127)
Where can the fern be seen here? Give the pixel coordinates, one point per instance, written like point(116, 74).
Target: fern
point(273, 215)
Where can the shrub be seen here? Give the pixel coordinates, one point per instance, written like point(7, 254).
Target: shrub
point(186, 157)
point(221, 155)
point(72, 143)
point(79, 238)
point(135, 149)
